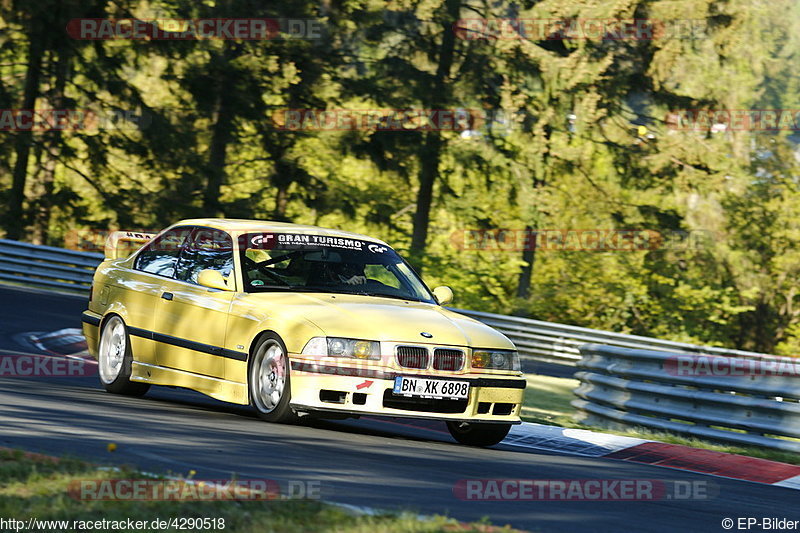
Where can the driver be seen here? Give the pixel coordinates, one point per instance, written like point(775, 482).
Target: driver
point(349, 273)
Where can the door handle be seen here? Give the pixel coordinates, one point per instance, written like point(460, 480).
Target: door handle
point(167, 295)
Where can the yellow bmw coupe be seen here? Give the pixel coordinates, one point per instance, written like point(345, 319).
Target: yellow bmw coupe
point(296, 320)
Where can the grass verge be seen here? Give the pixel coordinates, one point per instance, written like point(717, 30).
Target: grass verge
point(547, 401)
point(37, 487)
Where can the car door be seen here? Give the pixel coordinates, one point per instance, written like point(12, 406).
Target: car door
point(191, 319)
point(141, 289)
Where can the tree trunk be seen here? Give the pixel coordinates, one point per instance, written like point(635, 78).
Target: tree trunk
point(429, 170)
point(529, 256)
point(431, 151)
point(529, 253)
point(221, 136)
point(15, 223)
point(281, 202)
point(52, 144)
point(281, 181)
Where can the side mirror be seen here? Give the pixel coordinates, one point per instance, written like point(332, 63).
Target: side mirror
point(443, 294)
point(212, 279)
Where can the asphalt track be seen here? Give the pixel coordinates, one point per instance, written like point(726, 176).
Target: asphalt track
point(383, 464)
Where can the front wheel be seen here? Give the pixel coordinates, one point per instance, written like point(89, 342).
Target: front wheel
point(477, 433)
point(114, 360)
point(268, 380)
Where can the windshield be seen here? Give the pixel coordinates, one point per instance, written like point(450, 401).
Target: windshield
point(319, 263)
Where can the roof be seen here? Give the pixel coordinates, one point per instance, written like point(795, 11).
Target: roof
point(239, 226)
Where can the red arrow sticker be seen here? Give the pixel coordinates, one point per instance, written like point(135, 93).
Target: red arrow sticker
point(364, 385)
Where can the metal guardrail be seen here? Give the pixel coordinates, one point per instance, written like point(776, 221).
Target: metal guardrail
point(735, 400)
point(49, 267)
point(46, 266)
point(561, 343)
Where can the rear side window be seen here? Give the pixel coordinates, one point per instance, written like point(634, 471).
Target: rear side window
point(207, 249)
point(160, 256)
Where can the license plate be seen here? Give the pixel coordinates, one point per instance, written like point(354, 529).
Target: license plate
point(431, 388)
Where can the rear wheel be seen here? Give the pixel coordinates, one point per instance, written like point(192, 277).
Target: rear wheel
point(114, 360)
point(268, 380)
point(477, 433)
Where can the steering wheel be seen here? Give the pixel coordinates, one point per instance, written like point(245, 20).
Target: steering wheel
point(249, 264)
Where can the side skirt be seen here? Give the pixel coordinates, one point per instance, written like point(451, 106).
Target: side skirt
point(220, 389)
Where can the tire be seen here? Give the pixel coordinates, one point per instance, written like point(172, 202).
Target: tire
point(114, 360)
point(268, 380)
point(477, 433)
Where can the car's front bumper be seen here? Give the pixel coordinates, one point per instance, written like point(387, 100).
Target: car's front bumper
point(345, 389)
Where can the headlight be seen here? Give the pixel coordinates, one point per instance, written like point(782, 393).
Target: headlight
point(339, 347)
point(496, 360)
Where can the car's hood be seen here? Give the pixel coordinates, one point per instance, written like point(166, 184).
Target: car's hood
point(382, 319)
